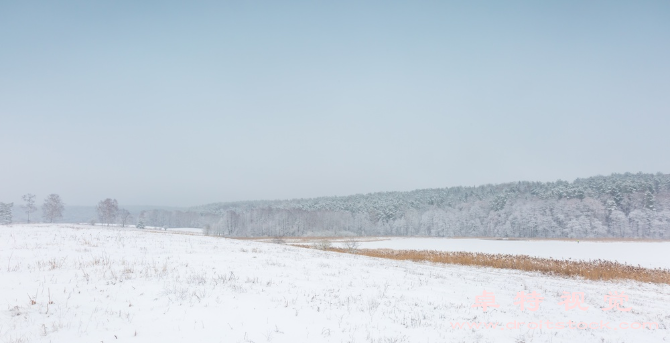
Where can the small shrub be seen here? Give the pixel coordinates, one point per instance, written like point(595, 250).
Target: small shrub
point(351, 245)
point(323, 244)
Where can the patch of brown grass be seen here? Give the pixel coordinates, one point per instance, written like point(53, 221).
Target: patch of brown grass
point(591, 270)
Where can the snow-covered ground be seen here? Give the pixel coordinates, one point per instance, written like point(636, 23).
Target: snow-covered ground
point(647, 254)
point(187, 230)
point(71, 283)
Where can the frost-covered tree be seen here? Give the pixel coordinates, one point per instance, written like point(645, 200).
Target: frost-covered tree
point(649, 201)
point(53, 207)
point(6, 213)
point(499, 202)
point(661, 225)
point(29, 206)
point(124, 217)
point(108, 210)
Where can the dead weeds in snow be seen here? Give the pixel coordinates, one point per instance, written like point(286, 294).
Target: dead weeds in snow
point(591, 270)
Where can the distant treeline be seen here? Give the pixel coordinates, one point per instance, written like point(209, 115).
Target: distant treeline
point(619, 205)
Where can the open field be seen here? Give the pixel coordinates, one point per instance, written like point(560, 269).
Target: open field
point(71, 283)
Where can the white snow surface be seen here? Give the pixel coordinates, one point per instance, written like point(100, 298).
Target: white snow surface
point(187, 230)
point(648, 254)
point(75, 283)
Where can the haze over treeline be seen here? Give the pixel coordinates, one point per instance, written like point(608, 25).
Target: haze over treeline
point(619, 205)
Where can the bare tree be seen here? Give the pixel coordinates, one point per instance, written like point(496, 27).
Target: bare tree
point(108, 209)
point(125, 216)
point(29, 207)
point(52, 208)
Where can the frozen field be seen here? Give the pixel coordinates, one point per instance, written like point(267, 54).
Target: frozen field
point(645, 253)
point(91, 284)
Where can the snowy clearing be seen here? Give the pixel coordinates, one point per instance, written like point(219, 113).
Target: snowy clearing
point(74, 283)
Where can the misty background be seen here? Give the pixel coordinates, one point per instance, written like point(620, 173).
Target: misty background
point(173, 105)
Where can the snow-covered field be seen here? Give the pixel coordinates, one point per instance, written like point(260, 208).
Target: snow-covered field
point(187, 230)
point(645, 253)
point(72, 283)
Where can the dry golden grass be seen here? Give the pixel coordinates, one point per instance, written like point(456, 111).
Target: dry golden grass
point(591, 270)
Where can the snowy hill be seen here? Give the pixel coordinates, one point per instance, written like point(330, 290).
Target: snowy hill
point(69, 283)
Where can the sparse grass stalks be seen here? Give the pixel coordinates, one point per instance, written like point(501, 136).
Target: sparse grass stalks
point(88, 243)
point(176, 291)
point(197, 279)
point(223, 279)
point(32, 299)
point(55, 263)
point(13, 268)
point(12, 339)
point(591, 270)
point(219, 279)
point(102, 260)
point(372, 306)
point(51, 264)
point(85, 275)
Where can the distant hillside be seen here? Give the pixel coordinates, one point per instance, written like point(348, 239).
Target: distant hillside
point(619, 205)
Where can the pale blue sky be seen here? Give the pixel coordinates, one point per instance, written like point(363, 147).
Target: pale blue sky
point(178, 103)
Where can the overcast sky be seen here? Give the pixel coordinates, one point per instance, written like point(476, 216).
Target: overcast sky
point(178, 103)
